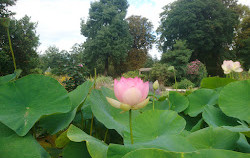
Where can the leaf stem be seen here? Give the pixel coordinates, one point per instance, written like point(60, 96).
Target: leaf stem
point(154, 100)
point(13, 57)
point(91, 126)
point(130, 125)
point(105, 137)
point(82, 120)
point(176, 84)
point(92, 119)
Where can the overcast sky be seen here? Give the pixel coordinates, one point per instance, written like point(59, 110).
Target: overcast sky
point(59, 20)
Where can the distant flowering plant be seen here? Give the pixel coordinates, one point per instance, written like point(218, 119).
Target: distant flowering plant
point(131, 92)
point(80, 65)
point(193, 67)
point(229, 66)
point(196, 71)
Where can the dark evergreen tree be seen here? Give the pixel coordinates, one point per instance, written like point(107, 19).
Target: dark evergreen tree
point(107, 32)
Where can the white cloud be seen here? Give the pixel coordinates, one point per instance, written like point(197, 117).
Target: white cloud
point(59, 20)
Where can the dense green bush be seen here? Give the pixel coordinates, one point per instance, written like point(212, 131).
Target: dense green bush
point(133, 74)
point(178, 57)
point(77, 76)
point(196, 71)
point(184, 84)
point(160, 72)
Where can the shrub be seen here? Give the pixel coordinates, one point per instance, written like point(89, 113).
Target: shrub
point(160, 72)
point(77, 75)
point(196, 71)
point(184, 84)
point(133, 74)
point(106, 81)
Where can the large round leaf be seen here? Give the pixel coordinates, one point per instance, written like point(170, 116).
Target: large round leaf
point(199, 99)
point(10, 77)
point(96, 148)
point(213, 116)
point(217, 138)
point(178, 102)
point(159, 129)
point(111, 117)
point(155, 123)
point(56, 122)
point(208, 153)
point(14, 146)
point(215, 82)
point(24, 101)
point(152, 153)
point(76, 150)
point(234, 100)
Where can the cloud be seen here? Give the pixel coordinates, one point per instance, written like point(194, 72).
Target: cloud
point(59, 20)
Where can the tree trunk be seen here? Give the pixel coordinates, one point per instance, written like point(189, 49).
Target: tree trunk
point(106, 67)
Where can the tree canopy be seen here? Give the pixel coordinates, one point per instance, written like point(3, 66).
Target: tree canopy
point(4, 12)
point(206, 25)
point(178, 57)
point(108, 38)
point(141, 30)
point(24, 42)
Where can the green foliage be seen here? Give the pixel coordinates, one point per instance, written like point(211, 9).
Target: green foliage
point(108, 37)
point(196, 71)
point(178, 57)
point(215, 82)
point(206, 25)
point(13, 146)
point(52, 97)
point(243, 41)
point(199, 99)
point(236, 104)
point(4, 12)
point(206, 123)
point(131, 74)
point(184, 84)
point(160, 72)
point(142, 32)
point(10, 77)
point(24, 42)
point(77, 74)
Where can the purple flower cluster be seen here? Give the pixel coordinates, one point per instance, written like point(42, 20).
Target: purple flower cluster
point(193, 67)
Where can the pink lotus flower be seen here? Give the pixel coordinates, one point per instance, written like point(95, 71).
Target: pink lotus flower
point(228, 66)
point(80, 65)
point(236, 67)
point(131, 92)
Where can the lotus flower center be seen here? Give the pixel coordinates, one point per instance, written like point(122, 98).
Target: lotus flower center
point(132, 96)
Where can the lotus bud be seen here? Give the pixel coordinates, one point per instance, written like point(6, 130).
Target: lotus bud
point(156, 85)
point(171, 68)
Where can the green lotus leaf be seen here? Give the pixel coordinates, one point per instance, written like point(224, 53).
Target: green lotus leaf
point(234, 100)
point(178, 102)
point(215, 82)
point(213, 116)
point(111, 117)
point(76, 150)
point(25, 100)
point(14, 146)
point(199, 99)
point(208, 153)
point(96, 148)
point(217, 138)
point(56, 122)
point(10, 77)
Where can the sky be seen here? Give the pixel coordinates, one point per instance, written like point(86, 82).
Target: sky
point(59, 20)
